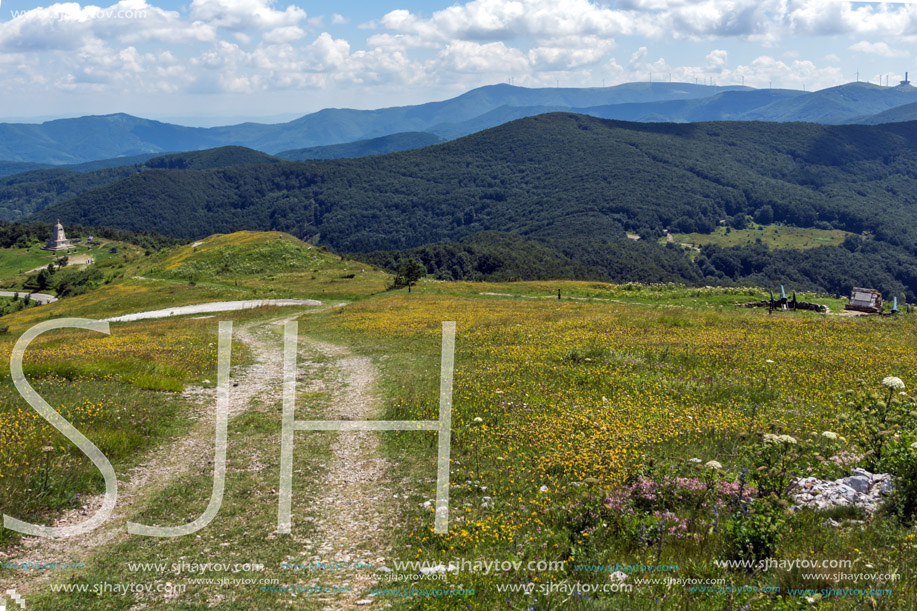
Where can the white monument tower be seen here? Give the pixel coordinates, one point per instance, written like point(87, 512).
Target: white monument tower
point(58, 241)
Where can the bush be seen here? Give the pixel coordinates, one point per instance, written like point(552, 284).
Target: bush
point(409, 272)
point(753, 531)
point(900, 459)
point(764, 215)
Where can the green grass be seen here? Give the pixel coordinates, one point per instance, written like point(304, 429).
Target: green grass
point(772, 236)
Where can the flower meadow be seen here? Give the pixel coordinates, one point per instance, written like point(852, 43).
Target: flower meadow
point(602, 433)
point(118, 389)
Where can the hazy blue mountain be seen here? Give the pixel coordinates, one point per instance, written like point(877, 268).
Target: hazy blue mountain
point(363, 148)
point(112, 136)
point(336, 126)
point(495, 117)
point(900, 114)
point(68, 141)
point(84, 139)
point(726, 106)
point(835, 105)
point(9, 168)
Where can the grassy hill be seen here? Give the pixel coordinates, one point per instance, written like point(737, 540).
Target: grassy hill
point(264, 260)
point(238, 266)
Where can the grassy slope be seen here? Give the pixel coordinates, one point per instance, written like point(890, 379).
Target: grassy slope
point(772, 236)
point(244, 265)
point(16, 262)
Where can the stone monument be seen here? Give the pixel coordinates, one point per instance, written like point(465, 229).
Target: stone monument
point(58, 241)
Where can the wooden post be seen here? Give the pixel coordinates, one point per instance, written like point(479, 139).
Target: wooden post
point(558, 294)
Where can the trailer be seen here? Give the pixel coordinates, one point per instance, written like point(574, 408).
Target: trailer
point(865, 300)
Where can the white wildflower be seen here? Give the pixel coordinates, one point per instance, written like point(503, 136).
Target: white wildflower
point(893, 383)
point(829, 435)
point(712, 464)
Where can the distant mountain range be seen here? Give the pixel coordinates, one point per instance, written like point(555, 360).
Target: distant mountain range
point(109, 137)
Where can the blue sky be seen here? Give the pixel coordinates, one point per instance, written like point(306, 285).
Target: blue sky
point(215, 61)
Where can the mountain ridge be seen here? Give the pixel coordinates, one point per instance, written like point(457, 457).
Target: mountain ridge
point(83, 139)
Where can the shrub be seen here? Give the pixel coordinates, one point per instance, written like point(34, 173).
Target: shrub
point(900, 459)
point(753, 531)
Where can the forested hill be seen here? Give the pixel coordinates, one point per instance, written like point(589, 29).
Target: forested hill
point(552, 176)
point(30, 191)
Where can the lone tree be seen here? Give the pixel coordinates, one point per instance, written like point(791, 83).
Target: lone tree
point(43, 280)
point(409, 272)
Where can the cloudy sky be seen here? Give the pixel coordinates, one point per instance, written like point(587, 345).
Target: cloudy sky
point(213, 61)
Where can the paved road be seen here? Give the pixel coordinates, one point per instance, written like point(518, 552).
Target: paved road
point(41, 298)
point(216, 306)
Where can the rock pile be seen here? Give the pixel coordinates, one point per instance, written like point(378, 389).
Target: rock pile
point(862, 489)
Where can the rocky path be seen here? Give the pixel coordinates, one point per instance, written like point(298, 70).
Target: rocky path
point(351, 511)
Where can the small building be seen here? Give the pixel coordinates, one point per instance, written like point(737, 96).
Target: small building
point(865, 300)
point(58, 240)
